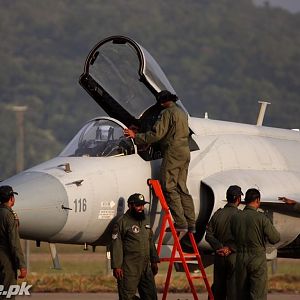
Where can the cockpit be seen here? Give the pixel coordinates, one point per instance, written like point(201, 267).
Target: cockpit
point(101, 137)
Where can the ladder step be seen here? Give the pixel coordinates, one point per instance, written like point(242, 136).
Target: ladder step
point(197, 277)
point(193, 255)
point(190, 254)
point(177, 259)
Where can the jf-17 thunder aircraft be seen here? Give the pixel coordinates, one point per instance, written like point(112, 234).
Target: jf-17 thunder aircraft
point(75, 197)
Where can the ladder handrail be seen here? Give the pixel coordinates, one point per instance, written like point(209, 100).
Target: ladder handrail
point(183, 257)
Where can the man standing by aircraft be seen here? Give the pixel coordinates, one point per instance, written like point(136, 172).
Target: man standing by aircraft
point(133, 254)
point(218, 235)
point(171, 130)
point(251, 230)
point(295, 204)
point(11, 255)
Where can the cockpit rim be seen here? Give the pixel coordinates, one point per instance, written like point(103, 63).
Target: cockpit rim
point(105, 118)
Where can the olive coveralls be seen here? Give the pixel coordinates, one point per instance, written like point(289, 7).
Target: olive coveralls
point(172, 131)
point(251, 230)
point(297, 207)
point(218, 235)
point(11, 255)
point(133, 249)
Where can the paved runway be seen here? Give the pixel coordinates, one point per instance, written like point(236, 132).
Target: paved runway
point(110, 296)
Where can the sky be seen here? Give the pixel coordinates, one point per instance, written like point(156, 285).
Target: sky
point(291, 5)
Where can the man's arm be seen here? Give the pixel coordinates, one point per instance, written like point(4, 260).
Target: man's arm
point(291, 202)
point(297, 207)
point(287, 200)
point(15, 246)
point(270, 231)
point(159, 130)
point(210, 234)
point(154, 259)
point(116, 252)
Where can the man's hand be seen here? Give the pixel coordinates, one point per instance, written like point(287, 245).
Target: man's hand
point(287, 200)
point(23, 273)
point(224, 251)
point(154, 268)
point(118, 273)
point(129, 133)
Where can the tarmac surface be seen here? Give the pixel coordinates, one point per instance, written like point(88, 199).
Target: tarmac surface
point(112, 296)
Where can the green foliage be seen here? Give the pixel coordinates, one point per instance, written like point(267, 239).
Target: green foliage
point(221, 57)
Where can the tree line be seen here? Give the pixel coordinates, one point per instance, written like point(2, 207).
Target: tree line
point(220, 56)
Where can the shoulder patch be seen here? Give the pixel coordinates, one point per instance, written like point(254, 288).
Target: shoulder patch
point(135, 229)
point(15, 215)
point(16, 218)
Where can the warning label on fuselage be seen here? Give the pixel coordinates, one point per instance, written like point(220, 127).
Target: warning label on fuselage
point(106, 214)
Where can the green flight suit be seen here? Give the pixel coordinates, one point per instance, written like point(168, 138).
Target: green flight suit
point(11, 255)
point(297, 207)
point(218, 235)
point(133, 249)
point(251, 230)
point(172, 131)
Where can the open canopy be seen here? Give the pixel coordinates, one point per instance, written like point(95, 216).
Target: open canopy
point(123, 78)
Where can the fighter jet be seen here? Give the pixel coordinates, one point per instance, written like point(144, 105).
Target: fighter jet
point(74, 197)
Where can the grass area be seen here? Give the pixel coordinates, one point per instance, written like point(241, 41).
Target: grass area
point(287, 276)
point(87, 271)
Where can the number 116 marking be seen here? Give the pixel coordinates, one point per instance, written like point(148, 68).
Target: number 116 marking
point(80, 205)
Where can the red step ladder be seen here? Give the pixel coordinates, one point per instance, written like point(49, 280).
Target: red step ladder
point(177, 249)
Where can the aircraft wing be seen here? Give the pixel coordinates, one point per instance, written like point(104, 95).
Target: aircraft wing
point(271, 184)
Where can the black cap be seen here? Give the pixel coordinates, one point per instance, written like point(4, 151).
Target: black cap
point(6, 192)
point(165, 96)
point(137, 199)
point(233, 191)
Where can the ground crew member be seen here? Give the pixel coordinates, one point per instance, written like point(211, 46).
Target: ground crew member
point(218, 235)
point(11, 255)
point(251, 230)
point(133, 254)
point(171, 130)
point(295, 204)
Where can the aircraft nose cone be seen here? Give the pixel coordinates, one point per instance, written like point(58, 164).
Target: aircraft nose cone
point(39, 204)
